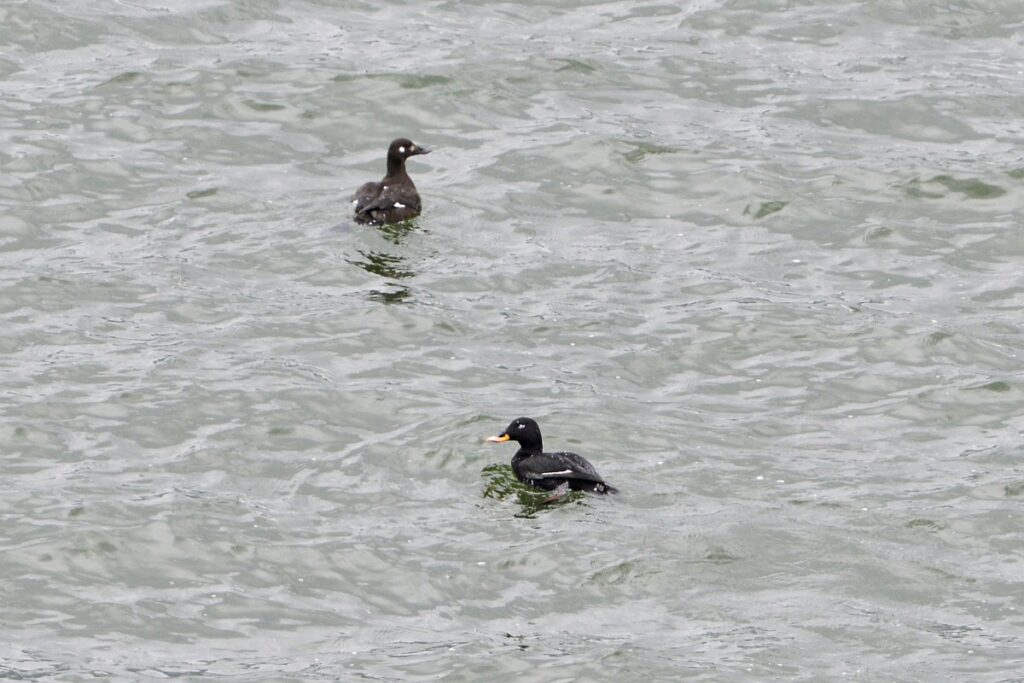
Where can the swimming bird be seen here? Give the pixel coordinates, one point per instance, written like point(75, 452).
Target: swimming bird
point(394, 198)
point(558, 472)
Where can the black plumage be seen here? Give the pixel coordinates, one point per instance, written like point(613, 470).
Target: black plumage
point(394, 198)
point(559, 472)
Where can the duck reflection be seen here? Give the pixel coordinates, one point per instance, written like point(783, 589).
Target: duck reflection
point(397, 232)
point(393, 267)
point(385, 265)
point(392, 296)
point(500, 483)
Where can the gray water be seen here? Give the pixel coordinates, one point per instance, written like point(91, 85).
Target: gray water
point(759, 260)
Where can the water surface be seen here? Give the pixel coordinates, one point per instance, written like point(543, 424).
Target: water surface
point(760, 261)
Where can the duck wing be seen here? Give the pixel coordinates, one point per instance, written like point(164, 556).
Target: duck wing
point(366, 195)
point(392, 197)
point(559, 466)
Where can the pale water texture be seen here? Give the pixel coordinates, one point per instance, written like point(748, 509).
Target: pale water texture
point(761, 261)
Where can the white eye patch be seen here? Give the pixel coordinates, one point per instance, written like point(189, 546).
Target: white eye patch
point(402, 150)
point(522, 426)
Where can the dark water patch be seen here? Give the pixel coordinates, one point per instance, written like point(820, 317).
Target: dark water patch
point(998, 386)
point(719, 555)
point(263, 106)
point(126, 78)
point(971, 188)
point(383, 264)
point(420, 81)
point(915, 189)
point(1007, 294)
point(575, 66)
point(1014, 489)
point(936, 338)
point(397, 295)
point(980, 451)
point(517, 641)
point(926, 524)
point(642, 150)
point(403, 81)
point(627, 572)
point(878, 233)
point(650, 10)
point(253, 71)
point(947, 575)
point(200, 194)
point(953, 632)
point(764, 209)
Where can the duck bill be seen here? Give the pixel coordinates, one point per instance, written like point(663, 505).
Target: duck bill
point(421, 150)
point(500, 438)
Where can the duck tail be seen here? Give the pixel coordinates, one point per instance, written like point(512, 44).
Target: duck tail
point(605, 488)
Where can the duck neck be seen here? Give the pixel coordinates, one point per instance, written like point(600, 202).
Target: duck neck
point(396, 167)
point(526, 450)
point(521, 455)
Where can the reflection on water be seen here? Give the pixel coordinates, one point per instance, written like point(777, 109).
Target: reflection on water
point(383, 264)
point(397, 232)
point(500, 482)
point(970, 188)
point(393, 296)
point(388, 265)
